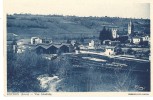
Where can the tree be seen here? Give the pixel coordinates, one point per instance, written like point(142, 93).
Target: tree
point(144, 43)
point(105, 34)
point(123, 39)
point(118, 50)
point(129, 51)
point(81, 39)
point(25, 67)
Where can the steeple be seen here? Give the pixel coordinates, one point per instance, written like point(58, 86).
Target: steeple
point(130, 28)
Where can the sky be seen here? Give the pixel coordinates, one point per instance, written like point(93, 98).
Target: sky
point(119, 8)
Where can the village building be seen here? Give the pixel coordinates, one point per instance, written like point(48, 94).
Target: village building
point(73, 42)
point(111, 43)
point(46, 40)
point(42, 49)
point(36, 40)
point(22, 45)
point(65, 48)
point(136, 37)
point(86, 42)
point(23, 48)
point(91, 45)
point(109, 50)
point(82, 47)
point(136, 40)
point(52, 48)
point(106, 42)
point(41, 46)
point(11, 43)
point(114, 33)
point(145, 38)
point(11, 47)
point(97, 42)
point(74, 45)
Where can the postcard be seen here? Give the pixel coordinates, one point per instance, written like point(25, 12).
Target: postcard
point(77, 48)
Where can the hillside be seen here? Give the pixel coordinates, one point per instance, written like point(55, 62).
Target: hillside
point(27, 25)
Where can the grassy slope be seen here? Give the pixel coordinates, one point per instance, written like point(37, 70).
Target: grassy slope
point(65, 26)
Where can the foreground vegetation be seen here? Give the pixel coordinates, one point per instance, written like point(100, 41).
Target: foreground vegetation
point(23, 70)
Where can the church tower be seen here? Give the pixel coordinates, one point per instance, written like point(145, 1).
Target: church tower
point(130, 28)
point(114, 33)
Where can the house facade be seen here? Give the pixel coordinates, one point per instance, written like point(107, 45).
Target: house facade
point(11, 43)
point(109, 50)
point(91, 45)
point(136, 40)
point(22, 45)
point(145, 38)
point(11, 47)
point(36, 40)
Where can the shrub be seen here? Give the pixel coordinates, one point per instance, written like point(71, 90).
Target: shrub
point(21, 71)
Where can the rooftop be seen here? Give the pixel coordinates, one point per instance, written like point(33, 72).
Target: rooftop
point(46, 46)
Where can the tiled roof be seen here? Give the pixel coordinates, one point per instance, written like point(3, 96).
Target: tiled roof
point(57, 46)
point(46, 46)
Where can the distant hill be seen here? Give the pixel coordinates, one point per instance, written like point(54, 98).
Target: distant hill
point(27, 25)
